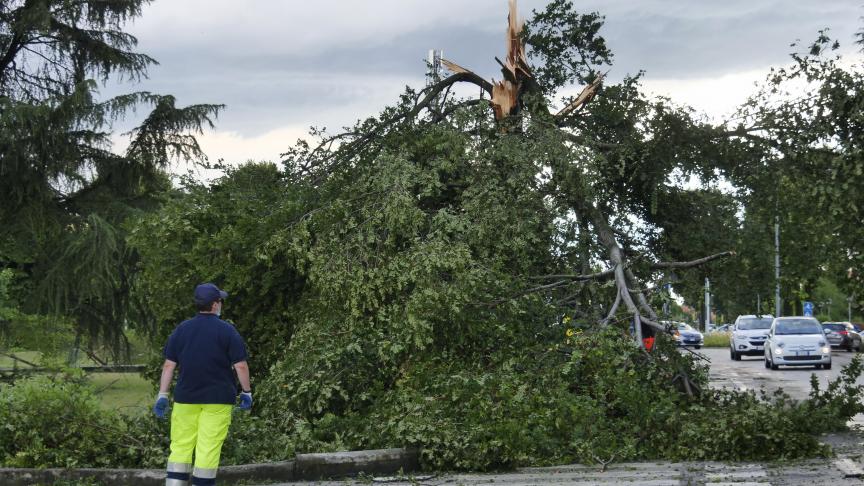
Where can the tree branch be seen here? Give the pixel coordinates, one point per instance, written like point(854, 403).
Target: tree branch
point(692, 263)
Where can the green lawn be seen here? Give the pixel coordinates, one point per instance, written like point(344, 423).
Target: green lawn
point(717, 340)
point(31, 356)
point(127, 392)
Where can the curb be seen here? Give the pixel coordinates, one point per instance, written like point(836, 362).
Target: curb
point(342, 464)
point(305, 467)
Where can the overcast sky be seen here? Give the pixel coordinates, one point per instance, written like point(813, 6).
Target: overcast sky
point(283, 65)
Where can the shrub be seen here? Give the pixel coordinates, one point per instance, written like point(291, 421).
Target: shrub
point(57, 422)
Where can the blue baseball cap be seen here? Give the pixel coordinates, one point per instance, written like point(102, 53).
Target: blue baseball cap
point(207, 293)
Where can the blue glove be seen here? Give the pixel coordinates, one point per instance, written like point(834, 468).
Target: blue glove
point(161, 405)
point(246, 400)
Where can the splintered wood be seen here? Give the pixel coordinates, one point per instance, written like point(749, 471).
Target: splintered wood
point(516, 73)
point(505, 93)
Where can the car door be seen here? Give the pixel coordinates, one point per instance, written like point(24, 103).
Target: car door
point(769, 341)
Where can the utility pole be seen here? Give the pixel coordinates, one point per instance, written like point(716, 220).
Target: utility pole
point(849, 309)
point(433, 66)
point(778, 304)
point(758, 305)
point(707, 304)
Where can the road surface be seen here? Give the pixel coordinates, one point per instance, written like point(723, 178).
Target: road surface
point(750, 373)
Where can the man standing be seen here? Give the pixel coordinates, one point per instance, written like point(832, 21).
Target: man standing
point(205, 347)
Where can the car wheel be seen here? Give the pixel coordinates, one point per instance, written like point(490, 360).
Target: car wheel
point(849, 348)
point(827, 366)
point(767, 364)
point(774, 366)
point(732, 355)
point(818, 366)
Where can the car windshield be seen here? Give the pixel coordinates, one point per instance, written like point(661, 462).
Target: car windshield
point(754, 323)
point(684, 327)
point(834, 326)
point(799, 326)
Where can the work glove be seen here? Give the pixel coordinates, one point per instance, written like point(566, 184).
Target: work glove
point(246, 400)
point(161, 405)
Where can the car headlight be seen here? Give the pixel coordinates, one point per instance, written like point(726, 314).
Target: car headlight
point(778, 351)
point(826, 349)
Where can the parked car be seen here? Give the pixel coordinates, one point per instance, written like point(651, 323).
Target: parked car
point(725, 328)
point(748, 336)
point(842, 335)
point(797, 341)
point(686, 335)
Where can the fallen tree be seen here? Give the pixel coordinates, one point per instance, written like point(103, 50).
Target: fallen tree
point(460, 272)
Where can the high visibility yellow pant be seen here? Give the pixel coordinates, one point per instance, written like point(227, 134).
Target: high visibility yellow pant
point(199, 430)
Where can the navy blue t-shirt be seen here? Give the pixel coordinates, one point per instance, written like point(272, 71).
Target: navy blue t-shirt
point(205, 347)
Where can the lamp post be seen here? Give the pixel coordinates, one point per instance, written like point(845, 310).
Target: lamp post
point(707, 304)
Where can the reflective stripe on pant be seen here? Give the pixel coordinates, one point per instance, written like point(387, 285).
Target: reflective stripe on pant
point(178, 473)
point(198, 429)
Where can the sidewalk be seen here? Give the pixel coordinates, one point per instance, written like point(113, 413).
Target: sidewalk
point(647, 474)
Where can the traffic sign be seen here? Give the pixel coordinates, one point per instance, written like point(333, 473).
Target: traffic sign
point(808, 308)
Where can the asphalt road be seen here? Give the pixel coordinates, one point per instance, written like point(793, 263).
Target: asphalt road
point(750, 373)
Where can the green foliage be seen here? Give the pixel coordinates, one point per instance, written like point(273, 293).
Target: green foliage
point(596, 400)
point(53, 422)
point(242, 218)
point(717, 340)
point(253, 440)
point(59, 422)
point(50, 334)
point(66, 194)
point(842, 398)
point(592, 397)
point(567, 45)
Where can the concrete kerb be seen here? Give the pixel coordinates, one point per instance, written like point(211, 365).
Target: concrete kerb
point(305, 467)
point(342, 464)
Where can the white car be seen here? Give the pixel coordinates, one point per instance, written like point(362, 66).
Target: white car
point(797, 341)
point(748, 336)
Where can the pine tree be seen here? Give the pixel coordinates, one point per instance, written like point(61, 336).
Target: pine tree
point(66, 194)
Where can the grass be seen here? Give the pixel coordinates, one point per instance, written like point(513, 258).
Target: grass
point(127, 392)
point(31, 356)
point(717, 340)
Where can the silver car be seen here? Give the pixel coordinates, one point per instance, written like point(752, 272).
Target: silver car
point(686, 335)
